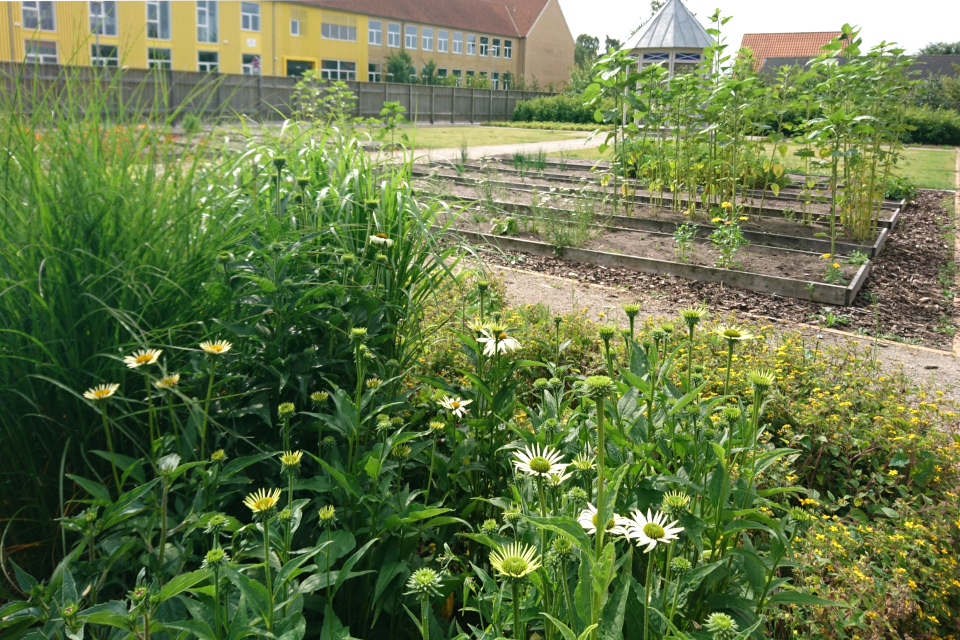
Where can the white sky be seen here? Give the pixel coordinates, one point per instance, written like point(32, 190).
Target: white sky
point(910, 24)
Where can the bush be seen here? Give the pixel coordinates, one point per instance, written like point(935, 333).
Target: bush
point(554, 126)
point(190, 123)
point(560, 108)
point(900, 188)
point(932, 126)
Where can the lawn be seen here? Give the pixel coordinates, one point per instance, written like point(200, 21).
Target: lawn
point(930, 168)
point(453, 137)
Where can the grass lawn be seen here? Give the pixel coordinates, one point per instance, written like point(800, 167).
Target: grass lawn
point(452, 137)
point(930, 168)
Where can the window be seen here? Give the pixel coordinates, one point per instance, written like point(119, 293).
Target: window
point(158, 19)
point(40, 51)
point(158, 58)
point(655, 56)
point(687, 57)
point(373, 72)
point(507, 49)
point(411, 42)
point(374, 32)
point(103, 18)
point(38, 15)
point(506, 81)
point(457, 42)
point(294, 27)
point(393, 34)
point(427, 39)
point(104, 55)
point(443, 39)
point(207, 61)
point(251, 64)
point(441, 73)
point(250, 16)
point(469, 74)
point(206, 21)
point(496, 79)
point(457, 74)
point(338, 32)
point(338, 70)
point(471, 44)
point(484, 45)
point(495, 49)
point(297, 68)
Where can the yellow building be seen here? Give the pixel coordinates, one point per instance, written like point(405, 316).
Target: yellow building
point(346, 40)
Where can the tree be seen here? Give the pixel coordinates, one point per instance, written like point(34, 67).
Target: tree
point(398, 67)
point(585, 51)
point(428, 75)
point(941, 49)
point(612, 44)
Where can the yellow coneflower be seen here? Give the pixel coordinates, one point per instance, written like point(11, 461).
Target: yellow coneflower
point(218, 456)
point(291, 458)
point(263, 501)
point(101, 392)
point(168, 382)
point(217, 348)
point(515, 561)
point(142, 357)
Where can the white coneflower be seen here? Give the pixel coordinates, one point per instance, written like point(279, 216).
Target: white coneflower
point(381, 238)
point(168, 382)
point(456, 406)
point(539, 461)
point(101, 391)
point(583, 463)
point(142, 357)
point(498, 342)
point(557, 479)
point(515, 561)
point(217, 348)
point(734, 334)
point(651, 529)
point(588, 520)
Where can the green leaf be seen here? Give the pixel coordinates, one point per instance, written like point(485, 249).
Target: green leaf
point(95, 489)
point(800, 597)
point(181, 583)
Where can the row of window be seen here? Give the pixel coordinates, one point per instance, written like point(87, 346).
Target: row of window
point(375, 74)
point(445, 41)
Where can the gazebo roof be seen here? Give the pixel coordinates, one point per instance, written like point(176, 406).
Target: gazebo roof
point(673, 27)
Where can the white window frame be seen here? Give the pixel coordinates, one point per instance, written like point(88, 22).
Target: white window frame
point(458, 74)
point(37, 9)
point(208, 32)
point(97, 59)
point(99, 24)
point(410, 41)
point(426, 40)
point(201, 65)
point(457, 42)
point(35, 57)
point(249, 21)
point(375, 33)
point(247, 68)
point(495, 82)
point(339, 73)
point(160, 63)
point(495, 47)
point(163, 16)
point(329, 31)
point(374, 72)
point(393, 35)
point(471, 44)
point(484, 47)
point(508, 49)
point(443, 41)
point(294, 27)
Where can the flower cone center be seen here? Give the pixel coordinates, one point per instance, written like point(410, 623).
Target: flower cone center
point(540, 464)
point(653, 531)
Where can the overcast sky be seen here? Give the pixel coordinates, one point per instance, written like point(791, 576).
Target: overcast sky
point(910, 24)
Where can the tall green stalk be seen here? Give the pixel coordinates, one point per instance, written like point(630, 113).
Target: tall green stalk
point(206, 410)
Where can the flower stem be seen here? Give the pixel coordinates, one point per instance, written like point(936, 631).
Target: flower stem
point(433, 454)
point(726, 380)
point(106, 431)
point(646, 599)
point(163, 528)
point(518, 630)
point(425, 617)
point(266, 570)
point(206, 412)
point(216, 602)
point(150, 420)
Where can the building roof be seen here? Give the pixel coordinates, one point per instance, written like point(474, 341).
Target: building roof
point(785, 45)
point(673, 27)
point(923, 66)
point(505, 17)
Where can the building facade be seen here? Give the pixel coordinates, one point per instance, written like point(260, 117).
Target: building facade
point(343, 39)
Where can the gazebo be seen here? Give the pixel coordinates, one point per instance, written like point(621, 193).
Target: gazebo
point(673, 38)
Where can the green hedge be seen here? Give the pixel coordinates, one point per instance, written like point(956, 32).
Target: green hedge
point(933, 126)
point(558, 108)
point(550, 126)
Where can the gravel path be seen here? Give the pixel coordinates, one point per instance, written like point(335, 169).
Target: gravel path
point(555, 146)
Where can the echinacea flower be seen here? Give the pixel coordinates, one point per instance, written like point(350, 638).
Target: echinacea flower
point(262, 502)
point(588, 520)
point(515, 561)
point(583, 462)
point(291, 459)
point(734, 334)
point(424, 582)
point(328, 515)
point(651, 529)
point(216, 558)
point(456, 406)
point(721, 626)
point(142, 357)
point(286, 409)
point(168, 382)
point(381, 238)
point(599, 387)
point(693, 315)
point(539, 462)
point(101, 391)
point(217, 348)
point(498, 342)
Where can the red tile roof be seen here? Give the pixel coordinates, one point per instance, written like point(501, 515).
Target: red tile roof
point(501, 17)
point(783, 45)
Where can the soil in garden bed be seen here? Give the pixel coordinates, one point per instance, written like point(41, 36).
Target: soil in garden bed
point(753, 259)
point(765, 224)
point(908, 294)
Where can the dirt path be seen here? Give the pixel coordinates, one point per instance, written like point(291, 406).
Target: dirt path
point(934, 369)
point(473, 153)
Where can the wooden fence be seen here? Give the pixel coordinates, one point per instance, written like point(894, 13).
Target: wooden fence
point(259, 97)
